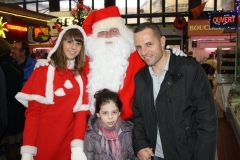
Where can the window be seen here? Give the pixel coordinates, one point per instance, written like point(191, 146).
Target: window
point(129, 7)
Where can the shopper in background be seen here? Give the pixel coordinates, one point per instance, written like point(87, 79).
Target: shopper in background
point(190, 55)
point(33, 55)
point(211, 61)
point(21, 54)
point(56, 101)
point(44, 55)
point(174, 111)
point(108, 136)
point(14, 78)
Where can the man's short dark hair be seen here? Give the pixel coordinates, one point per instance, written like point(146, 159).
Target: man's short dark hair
point(156, 30)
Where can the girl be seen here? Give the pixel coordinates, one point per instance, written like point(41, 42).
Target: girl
point(108, 136)
point(56, 102)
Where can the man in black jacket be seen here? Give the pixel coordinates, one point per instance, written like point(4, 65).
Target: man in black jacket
point(174, 111)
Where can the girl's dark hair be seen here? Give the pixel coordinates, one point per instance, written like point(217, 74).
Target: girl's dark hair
point(105, 96)
point(59, 58)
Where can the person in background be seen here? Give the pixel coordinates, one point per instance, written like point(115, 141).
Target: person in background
point(33, 55)
point(44, 55)
point(190, 55)
point(13, 73)
point(21, 54)
point(174, 110)
point(3, 106)
point(108, 136)
point(56, 101)
point(213, 63)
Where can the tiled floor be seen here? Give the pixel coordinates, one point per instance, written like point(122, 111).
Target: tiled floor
point(227, 147)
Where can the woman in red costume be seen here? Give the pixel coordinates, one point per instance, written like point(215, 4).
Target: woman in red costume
point(56, 102)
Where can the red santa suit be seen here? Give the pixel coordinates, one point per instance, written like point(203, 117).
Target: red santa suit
point(127, 90)
point(101, 72)
point(57, 107)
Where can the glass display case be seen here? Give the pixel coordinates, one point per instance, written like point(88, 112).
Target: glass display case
point(233, 110)
point(226, 64)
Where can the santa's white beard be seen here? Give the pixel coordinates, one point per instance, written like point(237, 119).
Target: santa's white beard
point(108, 64)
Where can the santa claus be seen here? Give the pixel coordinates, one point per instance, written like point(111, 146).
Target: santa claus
point(112, 59)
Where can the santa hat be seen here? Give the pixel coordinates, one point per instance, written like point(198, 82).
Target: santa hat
point(60, 36)
point(103, 19)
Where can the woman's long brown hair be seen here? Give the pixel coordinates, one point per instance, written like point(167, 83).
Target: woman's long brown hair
point(58, 58)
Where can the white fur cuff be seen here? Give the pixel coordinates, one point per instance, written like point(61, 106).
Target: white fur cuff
point(78, 154)
point(29, 149)
point(77, 143)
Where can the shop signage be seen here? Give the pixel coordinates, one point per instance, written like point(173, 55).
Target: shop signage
point(15, 27)
point(65, 21)
point(202, 28)
point(223, 19)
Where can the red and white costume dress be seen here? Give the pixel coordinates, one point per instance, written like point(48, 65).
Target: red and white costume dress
point(57, 107)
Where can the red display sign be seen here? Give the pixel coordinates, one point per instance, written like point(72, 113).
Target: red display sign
point(15, 27)
point(223, 20)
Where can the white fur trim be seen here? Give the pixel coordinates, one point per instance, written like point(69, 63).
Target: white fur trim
point(60, 92)
point(108, 23)
point(60, 38)
point(48, 99)
point(68, 84)
point(84, 107)
point(29, 149)
point(77, 143)
point(49, 85)
point(78, 105)
point(78, 154)
point(71, 64)
point(24, 98)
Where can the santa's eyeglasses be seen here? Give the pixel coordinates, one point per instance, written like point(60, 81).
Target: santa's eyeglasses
point(110, 33)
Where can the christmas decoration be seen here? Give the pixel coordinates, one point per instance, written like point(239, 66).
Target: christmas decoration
point(180, 22)
point(2, 28)
point(59, 29)
point(80, 12)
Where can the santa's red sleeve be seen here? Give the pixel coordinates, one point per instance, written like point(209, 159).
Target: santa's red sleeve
point(126, 93)
point(86, 68)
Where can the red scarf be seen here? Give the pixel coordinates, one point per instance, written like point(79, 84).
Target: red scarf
point(110, 135)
